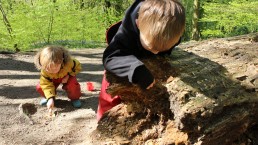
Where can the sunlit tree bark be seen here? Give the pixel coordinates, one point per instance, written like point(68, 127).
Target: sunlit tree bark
point(195, 31)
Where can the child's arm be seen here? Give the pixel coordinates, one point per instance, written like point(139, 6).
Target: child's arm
point(50, 106)
point(129, 66)
point(49, 91)
point(47, 86)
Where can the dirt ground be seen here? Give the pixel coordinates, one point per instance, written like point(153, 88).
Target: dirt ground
point(24, 121)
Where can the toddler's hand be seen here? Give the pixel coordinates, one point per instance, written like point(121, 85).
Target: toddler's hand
point(65, 79)
point(50, 106)
point(151, 85)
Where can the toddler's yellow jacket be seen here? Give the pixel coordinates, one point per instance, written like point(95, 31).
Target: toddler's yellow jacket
point(71, 68)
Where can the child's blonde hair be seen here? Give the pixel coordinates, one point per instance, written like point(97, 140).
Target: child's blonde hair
point(161, 21)
point(51, 55)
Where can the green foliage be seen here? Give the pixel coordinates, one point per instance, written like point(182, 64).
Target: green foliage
point(229, 19)
point(82, 24)
point(37, 23)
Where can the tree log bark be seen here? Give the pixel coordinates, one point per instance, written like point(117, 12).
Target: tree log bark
point(206, 93)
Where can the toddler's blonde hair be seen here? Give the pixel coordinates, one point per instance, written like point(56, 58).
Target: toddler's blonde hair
point(161, 21)
point(51, 55)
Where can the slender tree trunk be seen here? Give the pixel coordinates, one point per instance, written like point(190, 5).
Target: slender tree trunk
point(195, 31)
point(50, 26)
point(6, 22)
point(8, 27)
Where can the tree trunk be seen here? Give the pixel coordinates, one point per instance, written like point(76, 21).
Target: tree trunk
point(8, 27)
point(205, 94)
point(195, 32)
point(51, 22)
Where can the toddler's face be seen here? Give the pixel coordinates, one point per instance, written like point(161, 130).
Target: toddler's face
point(54, 68)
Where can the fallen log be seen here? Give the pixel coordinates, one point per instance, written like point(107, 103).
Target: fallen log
point(206, 93)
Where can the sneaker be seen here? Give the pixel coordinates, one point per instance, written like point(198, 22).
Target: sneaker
point(76, 103)
point(43, 102)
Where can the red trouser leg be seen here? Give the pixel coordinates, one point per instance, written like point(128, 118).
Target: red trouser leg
point(56, 83)
point(39, 90)
point(72, 88)
point(106, 102)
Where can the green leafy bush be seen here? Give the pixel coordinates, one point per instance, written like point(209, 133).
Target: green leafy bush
point(229, 19)
point(38, 23)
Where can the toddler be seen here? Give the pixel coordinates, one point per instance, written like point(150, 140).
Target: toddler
point(57, 67)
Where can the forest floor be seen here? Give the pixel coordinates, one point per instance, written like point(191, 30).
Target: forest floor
point(23, 121)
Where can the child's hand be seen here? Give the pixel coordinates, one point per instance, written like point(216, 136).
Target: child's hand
point(50, 106)
point(151, 85)
point(65, 79)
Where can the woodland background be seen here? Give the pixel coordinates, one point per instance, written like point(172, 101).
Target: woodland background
point(29, 24)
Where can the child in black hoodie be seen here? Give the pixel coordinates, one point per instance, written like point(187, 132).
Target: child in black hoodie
point(149, 27)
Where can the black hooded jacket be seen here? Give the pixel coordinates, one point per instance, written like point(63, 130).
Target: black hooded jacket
point(122, 55)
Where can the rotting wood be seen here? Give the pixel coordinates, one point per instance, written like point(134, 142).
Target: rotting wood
point(206, 93)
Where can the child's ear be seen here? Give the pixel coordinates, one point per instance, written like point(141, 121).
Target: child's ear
point(137, 23)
